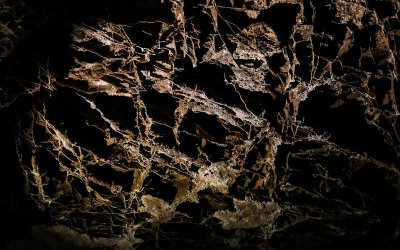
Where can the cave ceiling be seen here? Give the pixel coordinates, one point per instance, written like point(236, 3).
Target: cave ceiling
point(257, 124)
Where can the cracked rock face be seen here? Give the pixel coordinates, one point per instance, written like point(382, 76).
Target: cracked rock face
point(206, 123)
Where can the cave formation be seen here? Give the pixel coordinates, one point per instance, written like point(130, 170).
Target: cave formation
point(240, 124)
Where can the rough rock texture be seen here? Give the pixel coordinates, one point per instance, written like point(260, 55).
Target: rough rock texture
point(204, 123)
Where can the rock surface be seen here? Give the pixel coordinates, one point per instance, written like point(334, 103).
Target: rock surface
point(201, 124)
